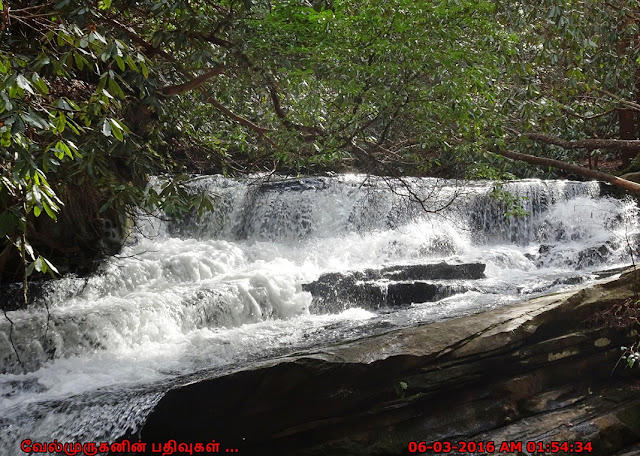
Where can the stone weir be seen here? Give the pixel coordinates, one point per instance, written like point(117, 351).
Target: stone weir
point(540, 371)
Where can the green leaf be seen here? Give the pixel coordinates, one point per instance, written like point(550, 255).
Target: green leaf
point(116, 130)
point(18, 126)
point(51, 268)
point(120, 63)
point(28, 249)
point(64, 149)
point(60, 122)
point(106, 128)
point(79, 60)
point(131, 63)
point(35, 120)
point(24, 84)
point(37, 211)
point(50, 265)
point(145, 70)
point(40, 84)
point(104, 207)
point(52, 215)
point(115, 89)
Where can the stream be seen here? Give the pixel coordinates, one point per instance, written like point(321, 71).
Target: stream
point(205, 296)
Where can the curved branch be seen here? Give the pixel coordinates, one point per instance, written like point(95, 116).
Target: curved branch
point(262, 131)
point(579, 170)
point(194, 83)
point(311, 131)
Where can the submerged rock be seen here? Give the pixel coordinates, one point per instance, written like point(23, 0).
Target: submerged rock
point(531, 372)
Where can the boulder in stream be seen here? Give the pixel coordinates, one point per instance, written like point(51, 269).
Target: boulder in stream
point(391, 286)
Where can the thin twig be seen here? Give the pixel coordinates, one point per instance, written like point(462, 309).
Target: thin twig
point(13, 345)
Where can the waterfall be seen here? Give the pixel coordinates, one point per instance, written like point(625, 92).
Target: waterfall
point(218, 292)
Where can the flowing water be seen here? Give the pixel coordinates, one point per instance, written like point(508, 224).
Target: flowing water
point(208, 295)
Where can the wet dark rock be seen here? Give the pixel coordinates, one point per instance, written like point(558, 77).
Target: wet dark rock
point(547, 285)
point(39, 292)
point(593, 256)
point(586, 258)
point(391, 286)
point(527, 372)
point(336, 291)
point(407, 293)
point(295, 185)
point(569, 280)
point(544, 249)
point(11, 297)
point(439, 271)
point(604, 273)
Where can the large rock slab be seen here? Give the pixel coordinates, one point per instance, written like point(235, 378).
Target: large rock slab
point(536, 371)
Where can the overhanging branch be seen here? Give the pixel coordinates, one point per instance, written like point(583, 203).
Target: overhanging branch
point(628, 144)
point(579, 170)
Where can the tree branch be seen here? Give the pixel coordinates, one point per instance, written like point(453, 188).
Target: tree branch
point(275, 99)
point(579, 170)
point(311, 131)
point(137, 39)
point(213, 39)
point(595, 116)
point(194, 83)
point(197, 82)
point(629, 144)
point(262, 131)
point(629, 104)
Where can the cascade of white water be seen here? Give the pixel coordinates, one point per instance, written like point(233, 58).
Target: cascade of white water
point(225, 289)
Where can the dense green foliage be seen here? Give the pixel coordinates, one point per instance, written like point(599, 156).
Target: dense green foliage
point(97, 96)
point(575, 74)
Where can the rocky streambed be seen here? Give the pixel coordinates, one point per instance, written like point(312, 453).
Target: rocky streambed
point(540, 371)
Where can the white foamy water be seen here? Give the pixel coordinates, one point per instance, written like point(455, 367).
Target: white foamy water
point(209, 295)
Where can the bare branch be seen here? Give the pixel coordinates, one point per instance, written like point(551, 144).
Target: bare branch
point(595, 143)
point(193, 84)
point(133, 36)
point(579, 170)
point(595, 116)
point(275, 99)
point(629, 104)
